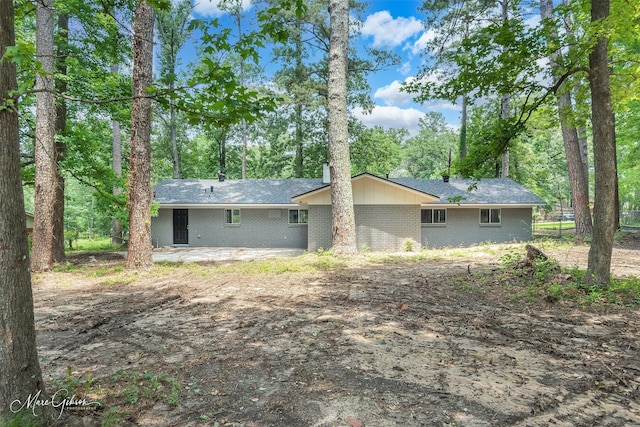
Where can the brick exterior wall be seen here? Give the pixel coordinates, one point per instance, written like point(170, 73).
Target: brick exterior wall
point(258, 228)
point(463, 228)
point(378, 227)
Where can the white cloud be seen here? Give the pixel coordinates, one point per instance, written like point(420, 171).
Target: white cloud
point(391, 117)
point(441, 105)
point(208, 8)
point(405, 68)
point(387, 31)
point(391, 94)
point(421, 44)
point(533, 21)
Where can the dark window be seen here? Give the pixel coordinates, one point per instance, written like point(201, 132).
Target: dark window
point(298, 216)
point(232, 216)
point(433, 216)
point(489, 216)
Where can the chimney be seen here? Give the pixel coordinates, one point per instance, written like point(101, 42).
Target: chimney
point(326, 174)
point(221, 176)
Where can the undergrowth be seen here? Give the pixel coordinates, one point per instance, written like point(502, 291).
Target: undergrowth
point(546, 280)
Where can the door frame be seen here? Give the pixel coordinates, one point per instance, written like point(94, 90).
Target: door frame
point(177, 213)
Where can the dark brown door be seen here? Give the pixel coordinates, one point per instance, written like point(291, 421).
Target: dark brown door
point(180, 226)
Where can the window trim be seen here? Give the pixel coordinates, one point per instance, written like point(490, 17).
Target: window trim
point(432, 223)
point(232, 216)
point(297, 223)
point(490, 216)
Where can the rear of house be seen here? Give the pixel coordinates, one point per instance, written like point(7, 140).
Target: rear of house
point(296, 213)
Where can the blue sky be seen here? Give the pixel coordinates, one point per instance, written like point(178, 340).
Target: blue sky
point(389, 24)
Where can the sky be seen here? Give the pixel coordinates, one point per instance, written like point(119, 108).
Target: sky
point(387, 24)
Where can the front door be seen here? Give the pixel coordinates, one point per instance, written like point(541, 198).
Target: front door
point(180, 226)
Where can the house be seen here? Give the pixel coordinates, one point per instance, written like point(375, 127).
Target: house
point(29, 219)
point(296, 213)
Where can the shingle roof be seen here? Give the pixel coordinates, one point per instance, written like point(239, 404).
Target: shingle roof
point(281, 191)
point(250, 191)
point(488, 191)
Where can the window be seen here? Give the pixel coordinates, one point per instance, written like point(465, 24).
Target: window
point(232, 216)
point(489, 216)
point(298, 216)
point(433, 216)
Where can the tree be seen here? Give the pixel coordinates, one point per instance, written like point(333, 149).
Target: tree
point(116, 165)
point(578, 175)
point(426, 155)
point(343, 217)
point(375, 150)
point(303, 79)
point(61, 128)
point(173, 32)
point(20, 375)
point(139, 195)
point(45, 147)
point(491, 55)
point(604, 215)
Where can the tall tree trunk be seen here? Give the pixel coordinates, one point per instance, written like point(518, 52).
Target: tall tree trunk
point(504, 104)
point(222, 152)
point(116, 164)
point(506, 98)
point(463, 129)
point(20, 374)
point(139, 203)
point(45, 146)
point(172, 136)
point(298, 166)
point(599, 264)
point(343, 217)
point(243, 123)
point(578, 176)
point(61, 129)
point(575, 90)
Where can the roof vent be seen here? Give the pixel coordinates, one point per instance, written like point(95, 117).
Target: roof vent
point(220, 177)
point(211, 188)
point(445, 178)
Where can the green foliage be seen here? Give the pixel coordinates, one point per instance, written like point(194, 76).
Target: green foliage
point(23, 418)
point(114, 417)
point(427, 154)
point(135, 385)
point(409, 245)
point(375, 150)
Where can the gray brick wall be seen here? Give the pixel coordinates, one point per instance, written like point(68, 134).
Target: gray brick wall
point(463, 228)
point(319, 227)
point(380, 227)
point(258, 228)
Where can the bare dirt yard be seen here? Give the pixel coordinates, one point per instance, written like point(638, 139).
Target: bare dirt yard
point(442, 338)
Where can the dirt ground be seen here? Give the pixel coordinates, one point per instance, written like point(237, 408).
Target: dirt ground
point(438, 342)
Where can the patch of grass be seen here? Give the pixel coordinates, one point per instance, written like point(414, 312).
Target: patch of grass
point(67, 267)
point(23, 418)
point(77, 385)
point(121, 280)
point(555, 225)
point(114, 417)
point(99, 272)
point(96, 244)
point(625, 291)
point(134, 385)
point(409, 245)
point(166, 263)
point(309, 263)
